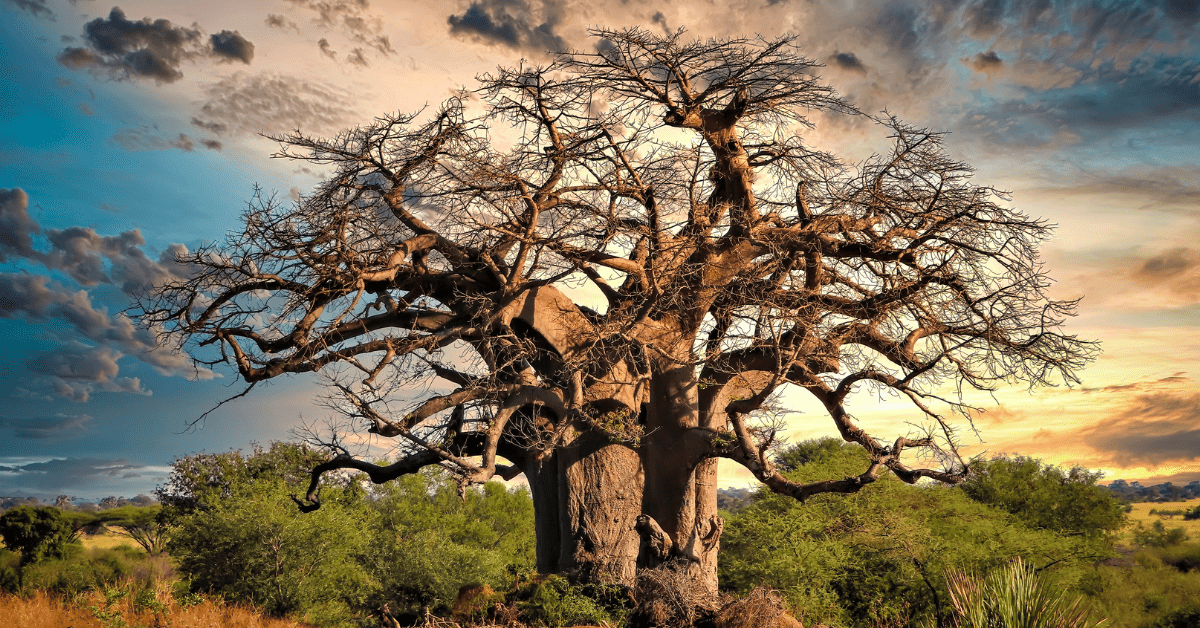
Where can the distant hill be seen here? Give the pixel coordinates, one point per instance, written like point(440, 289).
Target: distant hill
point(1165, 492)
point(733, 499)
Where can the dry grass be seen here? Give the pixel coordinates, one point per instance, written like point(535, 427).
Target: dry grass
point(107, 541)
point(44, 610)
point(1141, 514)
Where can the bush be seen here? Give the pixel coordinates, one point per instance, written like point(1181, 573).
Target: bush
point(838, 559)
point(554, 601)
point(85, 570)
point(1048, 497)
point(1158, 535)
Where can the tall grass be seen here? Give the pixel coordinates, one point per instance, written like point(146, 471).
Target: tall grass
point(1012, 596)
point(121, 607)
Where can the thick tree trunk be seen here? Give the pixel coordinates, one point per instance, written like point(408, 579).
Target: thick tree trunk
point(604, 510)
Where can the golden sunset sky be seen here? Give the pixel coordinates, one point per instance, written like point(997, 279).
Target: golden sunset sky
point(129, 131)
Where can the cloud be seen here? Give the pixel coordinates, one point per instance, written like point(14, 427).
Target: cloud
point(211, 127)
point(128, 49)
point(17, 228)
point(350, 17)
point(988, 63)
point(231, 46)
point(1177, 378)
point(326, 50)
point(76, 370)
point(60, 474)
point(44, 428)
point(847, 61)
point(661, 20)
point(1153, 430)
point(272, 103)
point(211, 144)
point(512, 23)
point(149, 49)
point(137, 140)
point(36, 8)
point(983, 19)
point(356, 58)
point(279, 21)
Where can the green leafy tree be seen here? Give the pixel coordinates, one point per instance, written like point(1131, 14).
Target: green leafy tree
point(36, 533)
point(430, 541)
point(1046, 496)
point(237, 532)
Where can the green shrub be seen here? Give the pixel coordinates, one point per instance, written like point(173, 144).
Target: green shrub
point(85, 570)
point(1180, 618)
point(1158, 535)
point(1048, 497)
point(554, 601)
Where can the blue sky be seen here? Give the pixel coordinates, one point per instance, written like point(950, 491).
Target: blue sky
point(128, 131)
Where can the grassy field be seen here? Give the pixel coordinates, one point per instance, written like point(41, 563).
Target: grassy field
point(107, 541)
point(1141, 514)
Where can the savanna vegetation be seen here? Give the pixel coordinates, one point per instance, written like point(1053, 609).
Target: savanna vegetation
point(435, 280)
point(419, 549)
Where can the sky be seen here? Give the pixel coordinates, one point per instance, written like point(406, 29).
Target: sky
point(130, 132)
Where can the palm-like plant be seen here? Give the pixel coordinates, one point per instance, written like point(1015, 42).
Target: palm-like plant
point(1012, 597)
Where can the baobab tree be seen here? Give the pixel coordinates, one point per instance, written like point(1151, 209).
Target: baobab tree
point(600, 272)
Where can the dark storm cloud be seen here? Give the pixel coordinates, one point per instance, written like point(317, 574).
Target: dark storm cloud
point(35, 298)
point(1169, 264)
point(273, 103)
point(231, 46)
point(847, 61)
point(150, 49)
point(1186, 12)
point(66, 473)
point(1153, 430)
point(1161, 189)
point(44, 428)
point(211, 144)
point(36, 8)
point(512, 23)
point(25, 294)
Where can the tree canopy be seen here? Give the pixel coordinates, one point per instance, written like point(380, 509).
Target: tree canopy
point(602, 271)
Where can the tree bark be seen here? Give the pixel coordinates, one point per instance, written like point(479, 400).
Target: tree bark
point(592, 496)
